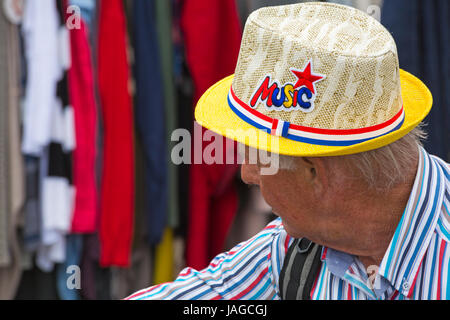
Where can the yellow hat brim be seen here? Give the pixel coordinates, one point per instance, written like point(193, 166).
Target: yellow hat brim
point(213, 112)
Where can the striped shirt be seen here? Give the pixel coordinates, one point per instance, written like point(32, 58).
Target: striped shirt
point(415, 265)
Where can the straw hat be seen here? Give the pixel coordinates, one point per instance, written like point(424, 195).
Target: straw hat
point(315, 79)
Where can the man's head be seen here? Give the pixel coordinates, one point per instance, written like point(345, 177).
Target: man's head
point(322, 79)
point(309, 192)
point(321, 84)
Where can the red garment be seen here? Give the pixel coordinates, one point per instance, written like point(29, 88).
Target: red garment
point(212, 35)
point(117, 194)
point(82, 99)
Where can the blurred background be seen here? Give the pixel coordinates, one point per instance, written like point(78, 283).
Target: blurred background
point(92, 203)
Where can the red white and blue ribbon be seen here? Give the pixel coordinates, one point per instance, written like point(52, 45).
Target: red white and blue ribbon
point(325, 137)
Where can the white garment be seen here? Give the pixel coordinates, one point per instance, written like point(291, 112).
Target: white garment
point(57, 201)
point(47, 51)
point(41, 33)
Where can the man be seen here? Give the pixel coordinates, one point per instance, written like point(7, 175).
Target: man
point(319, 84)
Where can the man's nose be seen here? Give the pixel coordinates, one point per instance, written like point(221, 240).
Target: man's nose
point(250, 173)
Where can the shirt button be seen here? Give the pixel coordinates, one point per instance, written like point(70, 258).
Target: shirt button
point(405, 286)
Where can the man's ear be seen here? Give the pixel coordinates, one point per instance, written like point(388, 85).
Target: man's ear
point(315, 172)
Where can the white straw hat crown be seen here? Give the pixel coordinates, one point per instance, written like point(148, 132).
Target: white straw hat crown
point(315, 79)
point(354, 56)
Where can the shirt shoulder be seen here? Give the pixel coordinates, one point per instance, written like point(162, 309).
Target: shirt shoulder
point(443, 222)
point(248, 271)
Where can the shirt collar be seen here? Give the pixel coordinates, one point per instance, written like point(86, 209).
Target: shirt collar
point(401, 262)
point(348, 267)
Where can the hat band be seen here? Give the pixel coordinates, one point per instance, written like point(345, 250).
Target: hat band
point(323, 137)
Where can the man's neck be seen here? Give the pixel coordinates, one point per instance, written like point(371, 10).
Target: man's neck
point(366, 223)
point(379, 226)
point(384, 213)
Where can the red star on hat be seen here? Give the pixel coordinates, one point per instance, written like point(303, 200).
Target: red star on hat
point(307, 78)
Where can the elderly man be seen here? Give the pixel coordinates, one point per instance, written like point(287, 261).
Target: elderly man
point(363, 208)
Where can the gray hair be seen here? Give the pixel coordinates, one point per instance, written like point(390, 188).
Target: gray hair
point(380, 169)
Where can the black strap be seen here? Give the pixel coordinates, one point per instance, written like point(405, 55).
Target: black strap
point(300, 267)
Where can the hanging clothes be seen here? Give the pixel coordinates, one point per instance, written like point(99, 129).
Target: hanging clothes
point(31, 229)
point(95, 279)
point(12, 173)
point(48, 123)
point(212, 35)
point(37, 285)
point(66, 274)
point(40, 32)
point(4, 93)
point(164, 259)
point(163, 19)
point(125, 280)
point(185, 118)
point(82, 98)
point(117, 194)
point(81, 88)
point(151, 117)
point(87, 10)
point(164, 255)
point(56, 174)
point(129, 280)
point(424, 50)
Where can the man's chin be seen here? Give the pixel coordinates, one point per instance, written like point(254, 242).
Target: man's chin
point(291, 232)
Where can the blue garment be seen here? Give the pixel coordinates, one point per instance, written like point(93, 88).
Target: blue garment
point(87, 8)
point(32, 208)
point(421, 30)
point(67, 272)
point(150, 116)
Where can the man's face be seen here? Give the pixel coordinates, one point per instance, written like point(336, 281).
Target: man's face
point(289, 193)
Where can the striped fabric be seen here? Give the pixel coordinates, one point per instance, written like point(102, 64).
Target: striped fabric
point(326, 137)
point(415, 265)
point(279, 128)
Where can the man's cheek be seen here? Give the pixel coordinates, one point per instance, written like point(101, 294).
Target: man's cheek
point(272, 199)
